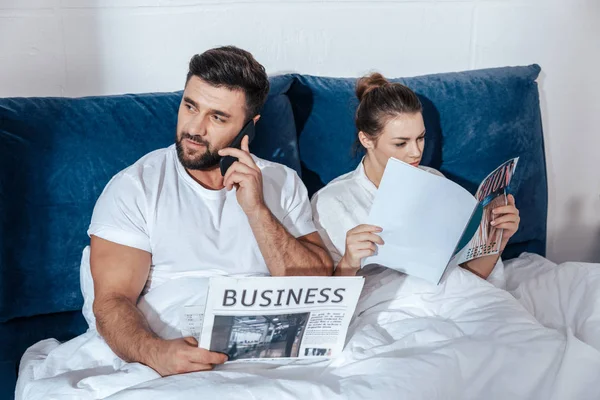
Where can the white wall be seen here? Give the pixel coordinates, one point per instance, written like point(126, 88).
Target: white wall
point(85, 47)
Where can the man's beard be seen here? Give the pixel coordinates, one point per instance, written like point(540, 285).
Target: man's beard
point(208, 160)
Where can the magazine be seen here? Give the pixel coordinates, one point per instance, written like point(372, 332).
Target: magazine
point(430, 222)
point(491, 194)
point(274, 317)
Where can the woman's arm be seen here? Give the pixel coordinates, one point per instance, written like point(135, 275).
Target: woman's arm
point(482, 266)
point(345, 269)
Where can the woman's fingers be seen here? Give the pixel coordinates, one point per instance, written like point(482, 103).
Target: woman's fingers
point(365, 237)
point(511, 218)
point(363, 246)
point(510, 209)
point(360, 254)
point(511, 200)
point(365, 228)
point(508, 226)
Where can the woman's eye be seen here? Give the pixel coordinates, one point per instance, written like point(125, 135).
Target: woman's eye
point(400, 144)
point(422, 138)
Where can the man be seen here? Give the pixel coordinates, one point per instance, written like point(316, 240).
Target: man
point(172, 212)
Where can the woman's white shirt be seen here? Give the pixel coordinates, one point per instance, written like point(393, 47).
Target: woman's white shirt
point(345, 203)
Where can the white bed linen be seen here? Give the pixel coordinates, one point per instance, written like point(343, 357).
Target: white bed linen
point(463, 339)
point(564, 297)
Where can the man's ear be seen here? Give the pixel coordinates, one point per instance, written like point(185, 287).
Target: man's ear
point(255, 119)
point(365, 141)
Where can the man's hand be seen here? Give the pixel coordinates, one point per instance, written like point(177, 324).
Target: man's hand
point(246, 177)
point(507, 218)
point(283, 253)
point(180, 356)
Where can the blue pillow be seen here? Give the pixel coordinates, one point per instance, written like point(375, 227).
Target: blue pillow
point(56, 156)
point(275, 138)
point(475, 121)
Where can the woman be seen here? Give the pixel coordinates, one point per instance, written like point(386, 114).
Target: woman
point(390, 124)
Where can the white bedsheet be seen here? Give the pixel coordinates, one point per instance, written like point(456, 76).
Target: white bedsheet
point(564, 297)
point(463, 339)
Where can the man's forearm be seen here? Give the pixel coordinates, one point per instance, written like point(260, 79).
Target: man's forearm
point(125, 329)
point(283, 253)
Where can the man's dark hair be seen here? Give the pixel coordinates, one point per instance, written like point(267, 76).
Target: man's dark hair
point(234, 69)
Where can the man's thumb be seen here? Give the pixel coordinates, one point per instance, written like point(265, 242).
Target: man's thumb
point(191, 341)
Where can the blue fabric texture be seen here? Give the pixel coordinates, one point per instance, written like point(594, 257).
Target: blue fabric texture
point(57, 154)
point(475, 121)
point(20, 333)
point(275, 138)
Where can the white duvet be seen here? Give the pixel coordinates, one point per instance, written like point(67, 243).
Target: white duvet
point(463, 339)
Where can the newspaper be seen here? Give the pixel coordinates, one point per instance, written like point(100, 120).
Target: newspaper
point(274, 317)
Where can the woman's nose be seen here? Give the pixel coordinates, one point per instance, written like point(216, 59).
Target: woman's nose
point(415, 150)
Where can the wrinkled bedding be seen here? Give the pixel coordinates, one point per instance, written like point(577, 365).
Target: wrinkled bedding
point(462, 339)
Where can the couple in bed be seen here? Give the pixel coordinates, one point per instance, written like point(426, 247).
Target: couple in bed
point(171, 216)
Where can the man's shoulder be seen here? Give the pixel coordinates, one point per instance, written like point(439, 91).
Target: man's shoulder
point(152, 160)
point(148, 165)
point(275, 172)
point(264, 164)
point(143, 173)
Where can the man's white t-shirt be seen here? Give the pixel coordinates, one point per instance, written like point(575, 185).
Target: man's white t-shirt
point(155, 205)
point(345, 203)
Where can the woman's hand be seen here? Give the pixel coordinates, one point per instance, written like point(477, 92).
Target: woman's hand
point(507, 218)
point(361, 242)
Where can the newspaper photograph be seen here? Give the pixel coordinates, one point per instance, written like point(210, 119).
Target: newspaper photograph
point(258, 336)
point(275, 317)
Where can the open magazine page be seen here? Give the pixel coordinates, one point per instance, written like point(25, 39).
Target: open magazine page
point(422, 216)
point(276, 317)
point(490, 194)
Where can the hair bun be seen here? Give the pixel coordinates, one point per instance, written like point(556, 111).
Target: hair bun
point(369, 82)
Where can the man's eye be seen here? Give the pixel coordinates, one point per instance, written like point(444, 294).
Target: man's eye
point(217, 118)
point(422, 138)
point(189, 107)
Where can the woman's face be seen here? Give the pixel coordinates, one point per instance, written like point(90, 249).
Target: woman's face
point(403, 137)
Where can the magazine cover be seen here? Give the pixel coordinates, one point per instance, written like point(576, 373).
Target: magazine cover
point(490, 194)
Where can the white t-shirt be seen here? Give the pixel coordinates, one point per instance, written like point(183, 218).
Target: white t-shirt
point(156, 206)
point(345, 203)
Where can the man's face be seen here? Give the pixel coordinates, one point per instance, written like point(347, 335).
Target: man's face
point(209, 118)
